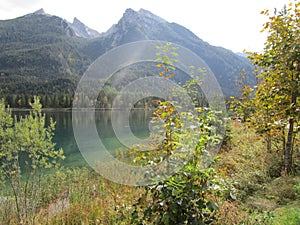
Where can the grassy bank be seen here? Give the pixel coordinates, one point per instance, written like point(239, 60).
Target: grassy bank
point(256, 193)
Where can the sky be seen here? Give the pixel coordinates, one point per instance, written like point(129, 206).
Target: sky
point(232, 24)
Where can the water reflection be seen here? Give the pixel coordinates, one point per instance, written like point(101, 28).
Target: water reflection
point(64, 136)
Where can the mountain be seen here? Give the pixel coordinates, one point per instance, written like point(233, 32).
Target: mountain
point(81, 30)
point(42, 54)
point(39, 12)
point(143, 25)
point(39, 54)
point(134, 26)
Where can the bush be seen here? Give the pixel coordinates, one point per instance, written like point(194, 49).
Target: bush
point(26, 150)
point(188, 196)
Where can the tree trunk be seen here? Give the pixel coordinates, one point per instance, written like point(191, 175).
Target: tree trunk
point(288, 151)
point(269, 143)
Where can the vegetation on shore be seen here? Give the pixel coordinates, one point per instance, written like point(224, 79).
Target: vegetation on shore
point(256, 191)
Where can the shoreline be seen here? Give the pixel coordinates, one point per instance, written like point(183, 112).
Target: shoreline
point(76, 109)
point(43, 109)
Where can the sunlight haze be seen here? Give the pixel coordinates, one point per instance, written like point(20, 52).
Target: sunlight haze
point(232, 24)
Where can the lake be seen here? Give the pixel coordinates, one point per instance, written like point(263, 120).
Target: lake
point(64, 136)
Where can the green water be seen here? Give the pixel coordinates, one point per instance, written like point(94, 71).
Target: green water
point(64, 136)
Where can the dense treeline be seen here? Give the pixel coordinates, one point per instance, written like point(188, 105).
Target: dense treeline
point(18, 91)
point(18, 94)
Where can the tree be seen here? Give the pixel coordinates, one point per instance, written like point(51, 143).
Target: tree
point(26, 149)
point(187, 191)
point(276, 102)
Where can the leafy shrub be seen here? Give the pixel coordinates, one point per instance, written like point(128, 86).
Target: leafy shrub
point(188, 196)
point(26, 150)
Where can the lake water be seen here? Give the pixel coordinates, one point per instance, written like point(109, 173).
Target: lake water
point(64, 136)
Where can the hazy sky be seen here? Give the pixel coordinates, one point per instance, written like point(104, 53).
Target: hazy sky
point(232, 24)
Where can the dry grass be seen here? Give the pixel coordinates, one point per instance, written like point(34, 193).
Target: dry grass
point(81, 196)
point(95, 201)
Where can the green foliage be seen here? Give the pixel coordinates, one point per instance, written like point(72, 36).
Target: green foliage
point(166, 62)
point(188, 196)
point(242, 106)
point(274, 107)
point(26, 150)
point(187, 191)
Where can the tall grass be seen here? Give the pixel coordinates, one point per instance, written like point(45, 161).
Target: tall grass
point(257, 195)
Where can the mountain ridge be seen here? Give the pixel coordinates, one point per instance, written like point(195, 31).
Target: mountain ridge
point(39, 49)
point(226, 65)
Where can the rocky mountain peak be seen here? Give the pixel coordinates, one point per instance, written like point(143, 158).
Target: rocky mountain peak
point(39, 12)
point(77, 22)
point(141, 16)
point(147, 14)
point(81, 30)
point(140, 20)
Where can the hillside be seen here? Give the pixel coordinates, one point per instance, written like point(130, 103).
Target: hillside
point(143, 25)
point(45, 55)
point(39, 55)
